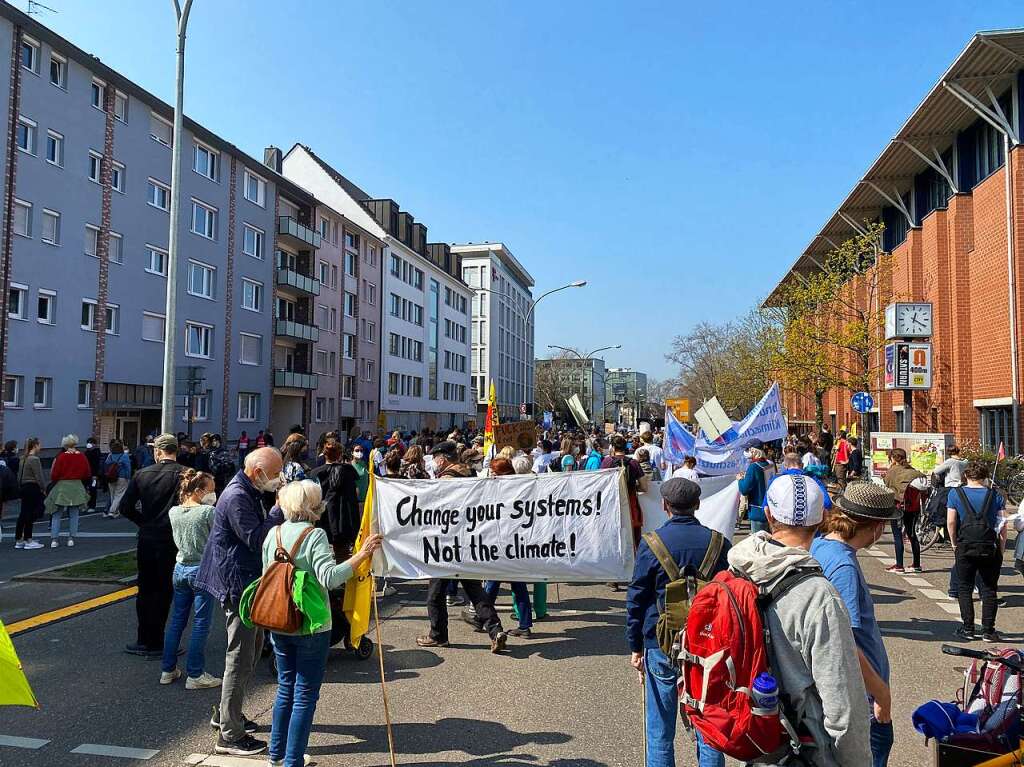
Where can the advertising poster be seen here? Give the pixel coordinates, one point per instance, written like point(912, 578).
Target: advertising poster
point(924, 451)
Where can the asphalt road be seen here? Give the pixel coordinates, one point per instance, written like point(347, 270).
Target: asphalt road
point(566, 698)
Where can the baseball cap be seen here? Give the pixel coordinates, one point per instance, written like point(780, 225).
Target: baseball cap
point(796, 500)
point(166, 443)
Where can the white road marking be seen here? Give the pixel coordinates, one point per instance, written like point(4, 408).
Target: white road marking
point(98, 749)
point(93, 535)
point(939, 596)
point(875, 552)
point(952, 609)
point(917, 581)
point(220, 760)
point(16, 742)
point(912, 632)
point(887, 561)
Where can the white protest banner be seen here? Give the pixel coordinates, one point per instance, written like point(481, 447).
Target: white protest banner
point(719, 506)
point(571, 526)
point(765, 422)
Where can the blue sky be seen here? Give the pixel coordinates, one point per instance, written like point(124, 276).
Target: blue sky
point(678, 156)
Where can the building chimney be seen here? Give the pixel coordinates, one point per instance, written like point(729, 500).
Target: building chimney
point(272, 158)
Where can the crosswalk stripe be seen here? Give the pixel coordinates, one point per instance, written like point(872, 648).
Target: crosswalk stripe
point(98, 749)
point(918, 582)
point(940, 596)
point(951, 608)
point(16, 742)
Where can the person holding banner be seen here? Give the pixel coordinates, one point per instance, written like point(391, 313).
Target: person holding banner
point(486, 618)
point(520, 594)
point(635, 482)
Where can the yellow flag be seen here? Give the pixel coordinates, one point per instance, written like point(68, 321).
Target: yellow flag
point(359, 589)
point(853, 429)
point(491, 421)
point(14, 687)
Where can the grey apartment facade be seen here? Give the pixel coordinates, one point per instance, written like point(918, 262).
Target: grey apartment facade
point(83, 254)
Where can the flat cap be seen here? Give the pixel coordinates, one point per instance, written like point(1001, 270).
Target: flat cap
point(681, 494)
point(448, 449)
point(166, 443)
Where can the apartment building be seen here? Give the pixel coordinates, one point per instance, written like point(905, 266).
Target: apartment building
point(422, 339)
point(502, 330)
point(625, 392)
point(558, 379)
point(949, 188)
point(83, 254)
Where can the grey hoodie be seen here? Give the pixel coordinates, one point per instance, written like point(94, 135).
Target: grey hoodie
point(813, 654)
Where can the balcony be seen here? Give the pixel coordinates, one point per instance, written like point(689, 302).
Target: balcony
point(292, 380)
point(296, 330)
point(301, 236)
point(289, 278)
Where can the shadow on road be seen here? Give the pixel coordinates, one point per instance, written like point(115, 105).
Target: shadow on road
point(343, 667)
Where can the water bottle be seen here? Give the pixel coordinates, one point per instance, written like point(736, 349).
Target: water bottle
point(765, 695)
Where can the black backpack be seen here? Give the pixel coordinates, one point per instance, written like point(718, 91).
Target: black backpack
point(975, 537)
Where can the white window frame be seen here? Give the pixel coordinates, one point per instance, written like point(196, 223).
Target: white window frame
point(115, 245)
point(47, 402)
point(150, 250)
point(62, 67)
point(100, 87)
point(58, 142)
point(19, 391)
point(211, 283)
point(348, 347)
point(261, 188)
point(55, 215)
point(163, 321)
point(117, 175)
point(115, 314)
point(213, 160)
point(22, 313)
point(200, 405)
point(212, 218)
point(152, 187)
point(89, 229)
point(345, 305)
point(34, 45)
point(257, 292)
point(121, 97)
point(28, 218)
point(31, 134)
point(94, 155)
point(87, 405)
point(208, 333)
point(251, 410)
point(259, 239)
point(241, 349)
point(51, 302)
point(165, 123)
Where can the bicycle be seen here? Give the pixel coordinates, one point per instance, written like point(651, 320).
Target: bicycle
point(948, 755)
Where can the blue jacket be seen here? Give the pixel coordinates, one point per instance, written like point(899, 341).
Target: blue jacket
point(233, 557)
point(687, 541)
point(124, 464)
point(753, 486)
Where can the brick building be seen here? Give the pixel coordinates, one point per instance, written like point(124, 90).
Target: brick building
point(954, 224)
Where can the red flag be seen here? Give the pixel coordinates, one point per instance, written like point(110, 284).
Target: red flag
point(1001, 455)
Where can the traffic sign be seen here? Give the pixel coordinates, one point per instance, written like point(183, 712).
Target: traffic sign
point(862, 402)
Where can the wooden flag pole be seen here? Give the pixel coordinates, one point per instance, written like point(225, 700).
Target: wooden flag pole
point(383, 686)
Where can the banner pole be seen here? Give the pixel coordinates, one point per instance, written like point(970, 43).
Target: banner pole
point(643, 699)
point(383, 686)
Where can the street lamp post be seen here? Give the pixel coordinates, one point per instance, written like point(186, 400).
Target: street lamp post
point(584, 358)
point(170, 313)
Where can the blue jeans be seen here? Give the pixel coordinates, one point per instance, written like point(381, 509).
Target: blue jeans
point(187, 599)
point(757, 527)
point(58, 515)
point(881, 743)
point(662, 712)
point(301, 663)
point(521, 597)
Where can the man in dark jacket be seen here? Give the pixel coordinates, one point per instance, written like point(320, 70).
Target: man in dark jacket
point(445, 455)
point(687, 541)
point(155, 488)
point(341, 517)
point(232, 560)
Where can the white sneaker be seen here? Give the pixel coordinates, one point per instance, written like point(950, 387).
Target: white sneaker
point(168, 677)
point(19, 544)
point(32, 545)
point(54, 543)
point(71, 542)
point(202, 682)
point(280, 762)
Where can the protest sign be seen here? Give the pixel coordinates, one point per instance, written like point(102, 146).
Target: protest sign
point(719, 506)
point(521, 435)
point(578, 412)
point(558, 527)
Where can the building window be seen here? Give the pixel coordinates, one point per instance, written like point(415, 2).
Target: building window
point(321, 361)
point(58, 70)
point(160, 130)
point(371, 294)
point(348, 348)
point(248, 406)
point(204, 162)
point(368, 369)
point(348, 387)
point(325, 274)
point(371, 333)
point(350, 304)
point(325, 229)
point(89, 317)
point(200, 407)
point(121, 106)
point(30, 54)
point(46, 307)
point(51, 227)
point(198, 340)
point(157, 260)
point(154, 327)
point(13, 386)
point(22, 218)
point(320, 409)
point(352, 241)
point(85, 394)
point(43, 395)
point(98, 94)
point(95, 166)
point(117, 177)
point(204, 220)
point(396, 266)
point(996, 427)
point(16, 300)
point(250, 349)
point(55, 148)
point(255, 189)
point(159, 194)
point(92, 240)
point(115, 248)
point(252, 241)
point(252, 295)
point(350, 264)
point(26, 135)
point(200, 279)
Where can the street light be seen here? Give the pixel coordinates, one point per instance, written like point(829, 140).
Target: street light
point(170, 312)
point(584, 358)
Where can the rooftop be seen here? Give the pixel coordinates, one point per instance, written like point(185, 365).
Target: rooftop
point(500, 251)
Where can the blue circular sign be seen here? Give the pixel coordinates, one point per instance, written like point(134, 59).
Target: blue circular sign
point(862, 402)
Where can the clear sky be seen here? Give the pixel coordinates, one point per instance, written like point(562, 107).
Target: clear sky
point(676, 155)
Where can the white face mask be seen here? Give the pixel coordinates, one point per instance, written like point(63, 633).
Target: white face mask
point(358, 455)
point(210, 499)
point(270, 484)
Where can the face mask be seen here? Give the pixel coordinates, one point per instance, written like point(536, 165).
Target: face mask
point(210, 499)
point(358, 455)
point(271, 484)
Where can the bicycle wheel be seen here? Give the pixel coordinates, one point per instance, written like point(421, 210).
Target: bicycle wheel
point(1015, 489)
point(927, 531)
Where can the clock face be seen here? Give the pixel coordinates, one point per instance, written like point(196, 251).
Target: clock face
point(914, 320)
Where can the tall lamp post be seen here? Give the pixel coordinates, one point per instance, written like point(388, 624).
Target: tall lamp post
point(170, 313)
point(584, 358)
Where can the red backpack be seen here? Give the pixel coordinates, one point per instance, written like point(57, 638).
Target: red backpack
point(722, 651)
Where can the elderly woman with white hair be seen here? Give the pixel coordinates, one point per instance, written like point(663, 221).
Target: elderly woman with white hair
point(754, 485)
point(69, 473)
point(302, 658)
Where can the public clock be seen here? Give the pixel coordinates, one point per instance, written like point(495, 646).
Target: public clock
point(908, 320)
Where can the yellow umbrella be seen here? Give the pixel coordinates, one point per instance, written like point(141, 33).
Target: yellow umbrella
point(14, 687)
